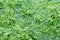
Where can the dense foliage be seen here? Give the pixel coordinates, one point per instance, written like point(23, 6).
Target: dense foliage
point(29, 19)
